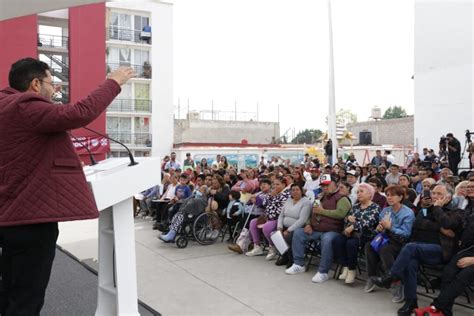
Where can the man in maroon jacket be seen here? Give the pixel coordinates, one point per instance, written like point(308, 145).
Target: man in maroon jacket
point(41, 178)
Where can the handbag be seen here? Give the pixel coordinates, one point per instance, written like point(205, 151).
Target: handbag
point(244, 240)
point(379, 241)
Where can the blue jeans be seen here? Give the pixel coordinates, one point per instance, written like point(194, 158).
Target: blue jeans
point(406, 264)
point(299, 244)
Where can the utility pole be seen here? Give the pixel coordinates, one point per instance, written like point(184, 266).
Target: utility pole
point(332, 92)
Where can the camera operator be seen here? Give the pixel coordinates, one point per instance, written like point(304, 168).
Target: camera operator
point(454, 152)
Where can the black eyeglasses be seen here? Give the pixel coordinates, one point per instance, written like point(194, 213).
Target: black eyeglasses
point(50, 83)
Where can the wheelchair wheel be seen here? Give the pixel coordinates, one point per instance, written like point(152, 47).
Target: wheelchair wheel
point(206, 228)
point(181, 242)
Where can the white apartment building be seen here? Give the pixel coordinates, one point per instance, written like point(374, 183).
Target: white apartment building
point(139, 34)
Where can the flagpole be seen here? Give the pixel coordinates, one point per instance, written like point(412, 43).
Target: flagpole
point(332, 96)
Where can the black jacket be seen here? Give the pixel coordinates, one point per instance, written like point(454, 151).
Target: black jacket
point(426, 228)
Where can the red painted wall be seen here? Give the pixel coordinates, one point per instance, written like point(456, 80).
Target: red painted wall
point(19, 39)
point(87, 58)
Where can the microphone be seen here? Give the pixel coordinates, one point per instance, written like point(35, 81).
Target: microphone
point(91, 156)
point(132, 159)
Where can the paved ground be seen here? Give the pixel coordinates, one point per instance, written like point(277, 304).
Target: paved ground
point(210, 280)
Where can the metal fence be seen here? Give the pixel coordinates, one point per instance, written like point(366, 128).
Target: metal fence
point(140, 139)
point(143, 71)
point(53, 41)
point(137, 36)
point(130, 105)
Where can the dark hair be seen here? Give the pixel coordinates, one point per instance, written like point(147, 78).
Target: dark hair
point(265, 180)
point(219, 179)
point(24, 71)
point(183, 176)
point(375, 181)
point(407, 177)
point(281, 179)
point(347, 185)
point(396, 190)
point(296, 185)
point(201, 176)
point(235, 194)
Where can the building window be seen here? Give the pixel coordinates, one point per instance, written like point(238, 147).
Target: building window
point(141, 56)
point(120, 128)
point(121, 26)
point(142, 125)
point(141, 22)
point(142, 97)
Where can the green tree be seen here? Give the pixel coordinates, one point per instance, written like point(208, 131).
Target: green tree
point(344, 116)
point(308, 136)
point(394, 112)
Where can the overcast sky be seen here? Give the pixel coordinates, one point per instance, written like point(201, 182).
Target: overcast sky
point(276, 52)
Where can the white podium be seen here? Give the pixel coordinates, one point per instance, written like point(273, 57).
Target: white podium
point(114, 183)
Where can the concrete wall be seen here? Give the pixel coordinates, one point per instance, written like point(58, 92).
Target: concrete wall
point(19, 40)
point(443, 70)
point(86, 61)
point(209, 131)
point(393, 132)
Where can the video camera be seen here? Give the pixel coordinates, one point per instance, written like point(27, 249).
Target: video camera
point(443, 140)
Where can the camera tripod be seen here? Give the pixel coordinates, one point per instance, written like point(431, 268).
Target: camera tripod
point(467, 144)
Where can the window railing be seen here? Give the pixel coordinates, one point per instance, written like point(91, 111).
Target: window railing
point(120, 34)
point(53, 41)
point(130, 105)
point(137, 139)
point(143, 71)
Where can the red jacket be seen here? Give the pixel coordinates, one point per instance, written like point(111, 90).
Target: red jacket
point(41, 178)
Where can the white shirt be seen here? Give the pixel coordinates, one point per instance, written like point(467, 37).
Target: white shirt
point(170, 192)
point(391, 158)
point(311, 185)
point(353, 195)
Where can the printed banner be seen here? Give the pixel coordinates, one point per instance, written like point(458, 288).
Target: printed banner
point(96, 144)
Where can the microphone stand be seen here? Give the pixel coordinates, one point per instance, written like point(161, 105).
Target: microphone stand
point(132, 159)
point(91, 156)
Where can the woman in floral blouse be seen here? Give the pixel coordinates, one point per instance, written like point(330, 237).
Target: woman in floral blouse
point(267, 223)
point(360, 224)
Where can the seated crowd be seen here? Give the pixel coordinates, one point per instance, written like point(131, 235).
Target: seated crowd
point(396, 218)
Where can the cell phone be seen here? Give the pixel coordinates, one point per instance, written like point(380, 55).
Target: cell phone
point(426, 194)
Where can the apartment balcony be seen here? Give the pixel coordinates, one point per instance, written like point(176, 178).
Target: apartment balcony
point(143, 71)
point(132, 139)
point(53, 41)
point(128, 35)
point(130, 105)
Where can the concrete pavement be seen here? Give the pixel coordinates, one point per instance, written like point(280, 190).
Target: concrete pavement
point(211, 280)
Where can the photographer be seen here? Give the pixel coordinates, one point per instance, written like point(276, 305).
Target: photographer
point(454, 152)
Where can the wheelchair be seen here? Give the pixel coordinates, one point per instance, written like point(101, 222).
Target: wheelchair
point(204, 228)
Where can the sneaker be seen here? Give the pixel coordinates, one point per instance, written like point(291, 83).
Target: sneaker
point(256, 251)
point(212, 235)
point(397, 293)
point(320, 277)
point(351, 276)
point(272, 254)
point(369, 285)
point(343, 275)
point(295, 269)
